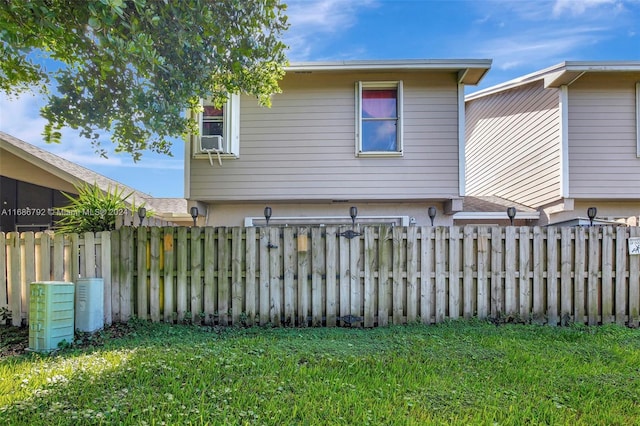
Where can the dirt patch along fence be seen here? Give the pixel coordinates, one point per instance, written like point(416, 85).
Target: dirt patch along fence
point(358, 276)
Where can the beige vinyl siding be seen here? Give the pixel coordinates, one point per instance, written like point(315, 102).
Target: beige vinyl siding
point(303, 147)
point(602, 137)
point(513, 145)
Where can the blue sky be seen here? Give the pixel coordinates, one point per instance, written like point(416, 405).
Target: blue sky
point(520, 36)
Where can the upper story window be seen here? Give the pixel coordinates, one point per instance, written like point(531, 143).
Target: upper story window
point(379, 118)
point(219, 129)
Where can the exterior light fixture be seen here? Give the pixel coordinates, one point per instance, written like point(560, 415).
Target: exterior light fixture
point(353, 212)
point(432, 213)
point(142, 212)
point(267, 214)
point(511, 213)
point(194, 214)
point(592, 212)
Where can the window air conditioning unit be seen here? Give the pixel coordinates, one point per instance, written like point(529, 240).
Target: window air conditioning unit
point(211, 143)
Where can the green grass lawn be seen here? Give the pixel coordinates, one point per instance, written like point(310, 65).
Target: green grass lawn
point(454, 373)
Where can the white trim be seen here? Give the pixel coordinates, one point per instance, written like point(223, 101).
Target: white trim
point(461, 141)
point(325, 220)
point(638, 119)
point(495, 215)
point(399, 152)
point(231, 125)
point(420, 64)
point(564, 140)
point(187, 167)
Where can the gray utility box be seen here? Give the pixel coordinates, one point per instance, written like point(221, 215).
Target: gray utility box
point(89, 304)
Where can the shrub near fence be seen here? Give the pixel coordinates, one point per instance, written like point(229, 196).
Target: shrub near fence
point(363, 276)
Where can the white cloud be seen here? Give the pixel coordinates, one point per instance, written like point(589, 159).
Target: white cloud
point(539, 46)
point(314, 20)
point(579, 7)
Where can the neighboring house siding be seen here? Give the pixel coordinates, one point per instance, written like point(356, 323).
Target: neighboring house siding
point(513, 145)
point(303, 147)
point(602, 137)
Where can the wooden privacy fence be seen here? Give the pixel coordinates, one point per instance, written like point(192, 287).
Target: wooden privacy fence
point(362, 276)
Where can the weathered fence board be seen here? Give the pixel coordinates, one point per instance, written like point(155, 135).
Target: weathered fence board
point(353, 276)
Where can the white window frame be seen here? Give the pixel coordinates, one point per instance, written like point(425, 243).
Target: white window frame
point(399, 128)
point(231, 130)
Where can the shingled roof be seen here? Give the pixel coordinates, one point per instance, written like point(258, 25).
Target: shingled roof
point(75, 174)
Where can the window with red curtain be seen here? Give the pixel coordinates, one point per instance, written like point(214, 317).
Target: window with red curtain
point(379, 122)
point(212, 121)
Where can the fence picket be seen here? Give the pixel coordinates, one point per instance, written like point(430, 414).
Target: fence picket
point(168, 254)
point(412, 274)
point(441, 274)
point(210, 290)
point(483, 287)
point(539, 291)
point(454, 272)
point(592, 278)
point(621, 279)
point(237, 279)
point(142, 298)
point(579, 275)
point(181, 283)
point(566, 289)
point(552, 276)
point(13, 278)
point(355, 296)
point(332, 270)
point(510, 292)
point(114, 312)
point(290, 266)
point(497, 289)
point(426, 270)
point(105, 274)
point(468, 289)
point(607, 275)
point(397, 294)
point(27, 269)
point(523, 283)
point(317, 270)
point(155, 288)
point(197, 307)
point(369, 277)
point(43, 257)
point(88, 267)
point(224, 291)
point(304, 289)
point(275, 284)
point(250, 274)
point(385, 285)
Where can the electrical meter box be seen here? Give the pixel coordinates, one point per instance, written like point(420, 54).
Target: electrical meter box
point(89, 304)
point(51, 314)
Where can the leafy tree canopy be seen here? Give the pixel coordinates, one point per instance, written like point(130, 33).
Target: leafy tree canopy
point(132, 67)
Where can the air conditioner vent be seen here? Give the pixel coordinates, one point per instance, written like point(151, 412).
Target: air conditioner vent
point(211, 143)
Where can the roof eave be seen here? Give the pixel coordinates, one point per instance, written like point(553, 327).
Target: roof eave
point(470, 71)
point(559, 74)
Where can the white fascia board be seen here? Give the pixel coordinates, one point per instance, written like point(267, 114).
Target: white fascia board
point(495, 215)
point(419, 64)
